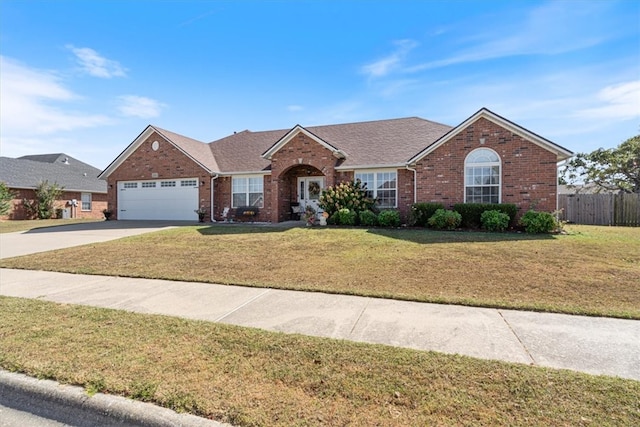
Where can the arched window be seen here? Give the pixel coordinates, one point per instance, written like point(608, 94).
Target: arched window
point(482, 177)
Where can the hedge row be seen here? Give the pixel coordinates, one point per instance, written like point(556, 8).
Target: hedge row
point(472, 212)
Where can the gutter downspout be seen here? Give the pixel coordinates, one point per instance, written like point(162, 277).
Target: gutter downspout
point(213, 178)
point(415, 183)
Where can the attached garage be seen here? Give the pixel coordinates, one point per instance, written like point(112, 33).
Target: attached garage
point(166, 199)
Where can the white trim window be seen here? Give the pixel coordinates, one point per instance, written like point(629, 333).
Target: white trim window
point(85, 199)
point(247, 191)
point(482, 172)
point(381, 186)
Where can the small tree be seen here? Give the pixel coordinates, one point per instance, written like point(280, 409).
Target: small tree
point(6, 196)
point(42, 206)
point(612, 169)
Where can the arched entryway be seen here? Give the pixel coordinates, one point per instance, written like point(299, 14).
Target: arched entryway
point(299, 185)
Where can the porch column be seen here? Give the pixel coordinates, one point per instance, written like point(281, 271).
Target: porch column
point(275, 199)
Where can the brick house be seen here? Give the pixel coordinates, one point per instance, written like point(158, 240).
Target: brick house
point(78, 179)
point(486, 158)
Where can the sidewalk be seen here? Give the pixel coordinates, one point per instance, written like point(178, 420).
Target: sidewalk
point(587, 344)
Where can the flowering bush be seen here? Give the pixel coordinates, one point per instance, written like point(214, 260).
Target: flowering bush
point(309, 215)
point(346, 195)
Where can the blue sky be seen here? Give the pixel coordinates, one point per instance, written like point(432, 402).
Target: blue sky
point(86, 77)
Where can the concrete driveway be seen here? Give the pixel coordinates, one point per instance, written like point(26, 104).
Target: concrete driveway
point(66, 236)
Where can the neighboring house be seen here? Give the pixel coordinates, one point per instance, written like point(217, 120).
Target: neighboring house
point(486, 158)
point(79, 180)
point(585, 189)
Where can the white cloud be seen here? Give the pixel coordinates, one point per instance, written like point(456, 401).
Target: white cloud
point(384, 66)
point(139, 106)
point(553, 28)
point(32, 103)
point(92, 63)
point(617, 102)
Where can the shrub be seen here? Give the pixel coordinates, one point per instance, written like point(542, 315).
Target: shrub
point(494, 220)
point(445, 219)
point(42, 207)
point(421, 212)
point(472, 212)
point(538, 222)
point(368, 219)
point(333, 219)
point(389, 218)
point(346, 195)
point(346, 217)
point(6, 196)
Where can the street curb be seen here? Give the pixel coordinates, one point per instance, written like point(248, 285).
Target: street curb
point(73, 406)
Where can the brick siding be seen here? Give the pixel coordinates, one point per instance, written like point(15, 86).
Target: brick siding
point(300, 151)
point(167, 162)
point(529, 173)
point(98, 204)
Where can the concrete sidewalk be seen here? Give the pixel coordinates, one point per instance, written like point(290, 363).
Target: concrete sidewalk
point(588, 344)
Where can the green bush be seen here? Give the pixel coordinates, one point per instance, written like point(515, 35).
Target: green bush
point(368, 219)
point(538, 222)
point(42, 207)
point(471, 212)
point(389, 218)
point(6, 196)
point(421, 212)
point(346, 195)
point(445, 219)
point(494, 220)
point(346, 217)
point(333, 219)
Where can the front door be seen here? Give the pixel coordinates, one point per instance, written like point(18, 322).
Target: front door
point(309, 189)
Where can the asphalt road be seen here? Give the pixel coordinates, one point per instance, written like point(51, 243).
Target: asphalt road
point(10, 417)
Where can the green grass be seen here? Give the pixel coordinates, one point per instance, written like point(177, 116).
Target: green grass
point(250, 377)
point(591, 270)
point(12, 226)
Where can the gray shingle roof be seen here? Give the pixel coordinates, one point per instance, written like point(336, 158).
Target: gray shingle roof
point(198, 150)
point(29, 171)
point(382, 142)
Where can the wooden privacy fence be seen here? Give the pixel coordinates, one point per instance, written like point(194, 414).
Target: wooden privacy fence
point(600, 209)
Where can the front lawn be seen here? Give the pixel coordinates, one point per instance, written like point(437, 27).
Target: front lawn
point(592, 270)
point(250, 377)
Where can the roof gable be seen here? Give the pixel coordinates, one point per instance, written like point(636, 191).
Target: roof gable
point(561, 152)
point(196, 150)
point(295, 131)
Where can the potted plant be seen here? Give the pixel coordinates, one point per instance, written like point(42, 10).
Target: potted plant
point(107, 214)
point(201, 213)
point(309, 215)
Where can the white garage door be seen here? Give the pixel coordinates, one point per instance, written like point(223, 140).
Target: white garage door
point(174, 199)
